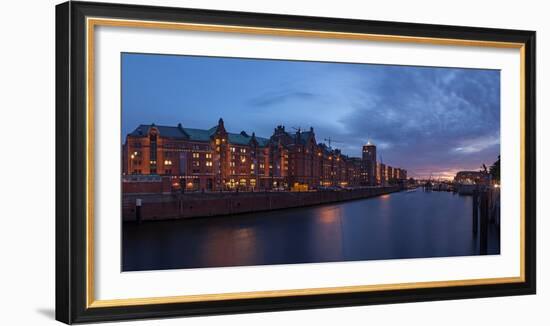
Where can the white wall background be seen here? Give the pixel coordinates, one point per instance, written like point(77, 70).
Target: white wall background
point(27, 162)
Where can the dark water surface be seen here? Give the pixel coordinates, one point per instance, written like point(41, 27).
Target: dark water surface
point(401, 225)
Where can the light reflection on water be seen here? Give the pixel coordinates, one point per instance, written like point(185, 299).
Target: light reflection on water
point(400, 225)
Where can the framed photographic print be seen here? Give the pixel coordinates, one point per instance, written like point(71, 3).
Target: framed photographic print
point(214, 162)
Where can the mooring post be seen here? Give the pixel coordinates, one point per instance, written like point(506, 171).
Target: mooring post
point(494, 206)
point(484, 222)
point(490, 205)
point(138, 210)
point(475, 210)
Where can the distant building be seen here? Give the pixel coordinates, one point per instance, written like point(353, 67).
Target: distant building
point(215, 159)
point(381, 174)
point(369, 161)
point(472, 177)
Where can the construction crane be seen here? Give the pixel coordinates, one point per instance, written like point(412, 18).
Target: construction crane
point(330, 141)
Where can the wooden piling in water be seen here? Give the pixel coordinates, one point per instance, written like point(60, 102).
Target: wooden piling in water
point(483, 222)
point(138, 210)
point(475, 211)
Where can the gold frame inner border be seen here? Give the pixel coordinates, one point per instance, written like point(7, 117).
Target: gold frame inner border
point(92, 22)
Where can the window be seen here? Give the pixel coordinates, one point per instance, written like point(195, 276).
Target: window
point(196, 155)
point(232, 149)
point(208, 155)
point(208, 163)
point(196, 163)
point(153, 153)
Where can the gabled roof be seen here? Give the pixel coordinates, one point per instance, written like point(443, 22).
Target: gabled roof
point(199, 134)
point(238, 139)
point(165, 131)
point(244, 139)
point(262, 142)
point(175, 132)
point(304, 137)
point(202, 135)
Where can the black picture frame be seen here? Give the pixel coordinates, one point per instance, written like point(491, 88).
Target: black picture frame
point(71, 155)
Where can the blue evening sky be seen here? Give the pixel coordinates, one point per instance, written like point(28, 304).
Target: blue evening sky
point(427, 120)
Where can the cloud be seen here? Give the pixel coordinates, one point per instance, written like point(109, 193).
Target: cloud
point(477, 145)
point(424, 119)
point(430, 117)
point(279, 97)
point(428, 120)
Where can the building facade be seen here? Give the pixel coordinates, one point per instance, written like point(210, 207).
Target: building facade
point(215, 159)
point(369, 161)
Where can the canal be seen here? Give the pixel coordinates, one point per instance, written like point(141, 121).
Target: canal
point(400, 225)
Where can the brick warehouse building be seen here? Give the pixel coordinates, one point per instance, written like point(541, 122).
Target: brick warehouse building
point(215, 159)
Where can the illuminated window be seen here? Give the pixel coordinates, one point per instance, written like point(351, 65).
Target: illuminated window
point(196, 155)
point(232, 149)
point(208, 155)
point(208, 163)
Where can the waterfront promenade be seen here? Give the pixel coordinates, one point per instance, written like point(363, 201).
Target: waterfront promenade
point(198, 204)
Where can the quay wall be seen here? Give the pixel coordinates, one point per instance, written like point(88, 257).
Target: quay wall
point(178, 206)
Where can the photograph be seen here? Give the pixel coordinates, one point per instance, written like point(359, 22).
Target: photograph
point(232, 161)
